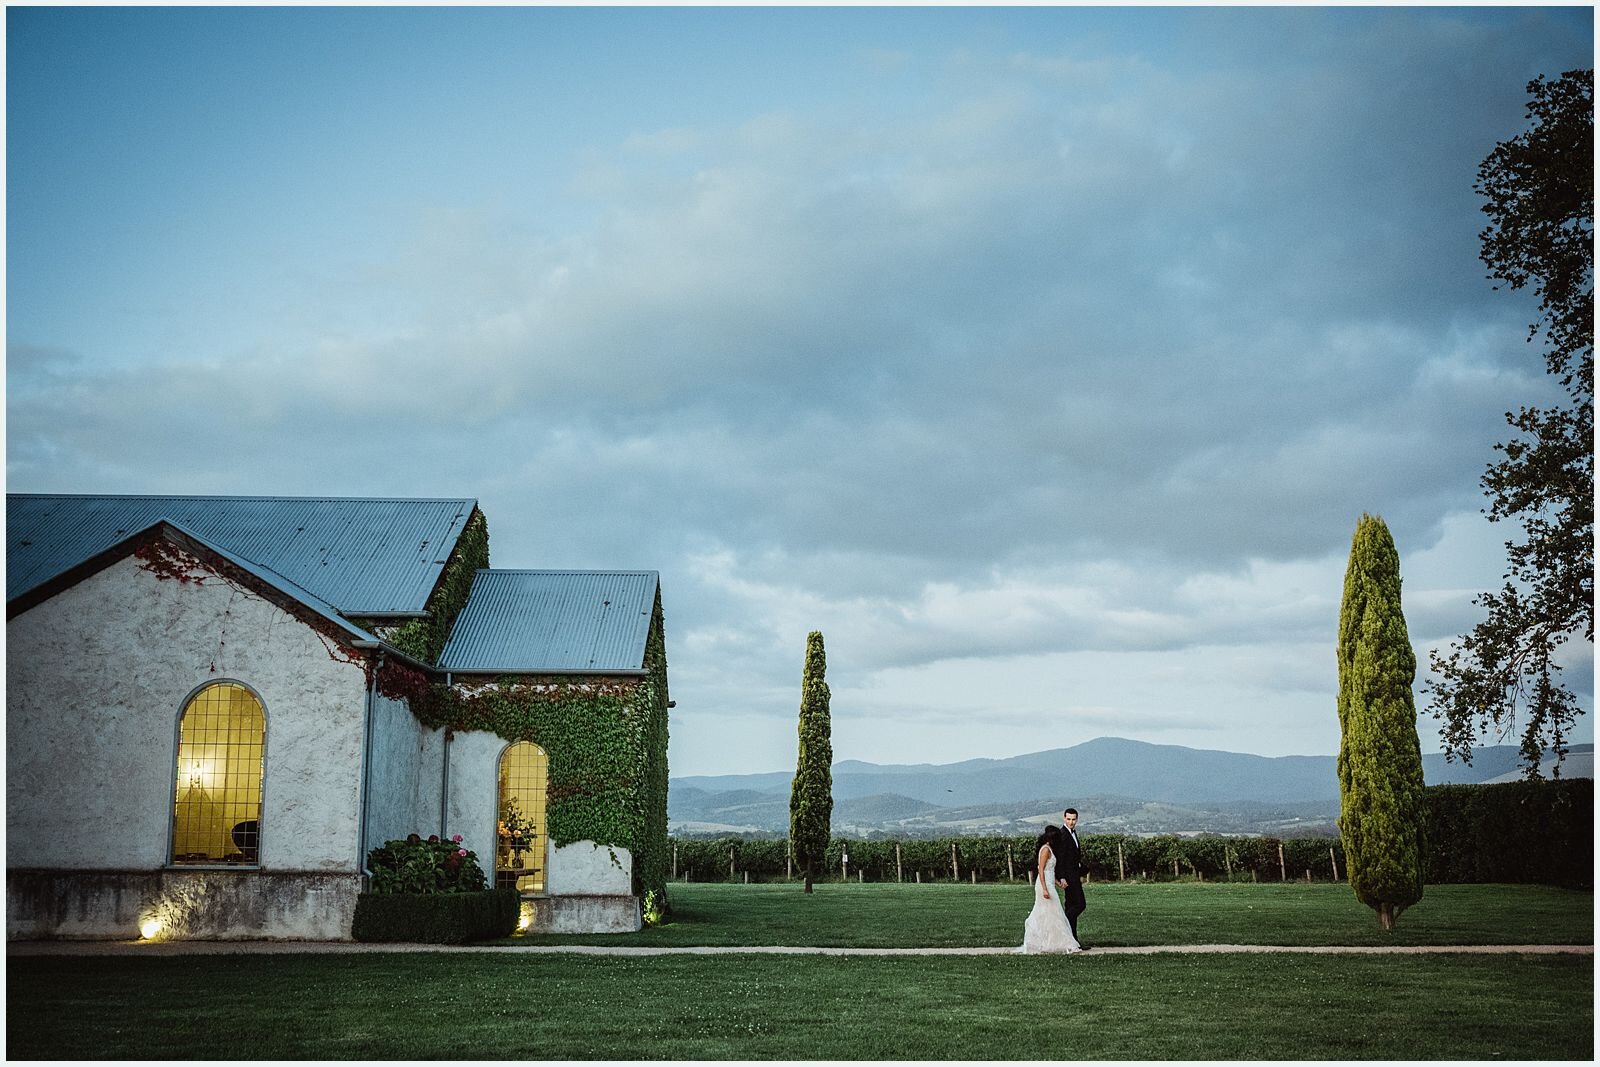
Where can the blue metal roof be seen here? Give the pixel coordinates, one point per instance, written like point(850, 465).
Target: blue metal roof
point(553, 622)
point(361, 556)
point(278, 582)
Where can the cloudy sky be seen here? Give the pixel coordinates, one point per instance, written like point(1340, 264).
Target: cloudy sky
point(1044, 359)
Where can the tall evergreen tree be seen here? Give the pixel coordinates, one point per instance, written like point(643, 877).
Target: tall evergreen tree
point(811, 794)
point(1380, 759)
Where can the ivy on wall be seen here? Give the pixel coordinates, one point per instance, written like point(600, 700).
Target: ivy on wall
point(423, 639)
point(606, 741)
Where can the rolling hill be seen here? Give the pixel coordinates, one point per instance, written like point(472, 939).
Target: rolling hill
point(1118, 784)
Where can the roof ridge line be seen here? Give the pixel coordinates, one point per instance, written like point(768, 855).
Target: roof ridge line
point(557, 570)
point(247, 496)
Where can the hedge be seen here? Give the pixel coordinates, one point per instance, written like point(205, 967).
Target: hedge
point(1539, 832)
point(1535, 832)
point(436, 918)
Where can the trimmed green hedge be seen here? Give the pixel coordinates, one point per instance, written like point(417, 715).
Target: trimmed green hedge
point(1539, 832)
point(436, 918)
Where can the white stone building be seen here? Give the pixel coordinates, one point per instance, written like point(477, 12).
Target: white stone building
point(217, 706)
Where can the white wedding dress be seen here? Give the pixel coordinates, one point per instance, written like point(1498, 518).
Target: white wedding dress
point(1047, 929)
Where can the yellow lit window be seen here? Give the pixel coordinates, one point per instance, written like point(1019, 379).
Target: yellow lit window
point(216, 814)
point(519, 847)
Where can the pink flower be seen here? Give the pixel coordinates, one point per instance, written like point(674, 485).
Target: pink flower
point(456, 839)
point(461, 852)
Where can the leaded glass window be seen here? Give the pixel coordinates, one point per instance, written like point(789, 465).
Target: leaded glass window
point(519, 846)
point(216, 813)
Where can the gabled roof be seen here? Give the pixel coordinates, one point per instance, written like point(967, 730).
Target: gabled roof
point(277, 588)
point(553, 622)
point(362, 556)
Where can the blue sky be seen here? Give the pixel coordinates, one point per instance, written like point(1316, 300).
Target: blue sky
point(1042, 358)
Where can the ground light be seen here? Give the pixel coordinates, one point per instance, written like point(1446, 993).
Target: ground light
point(149, 928)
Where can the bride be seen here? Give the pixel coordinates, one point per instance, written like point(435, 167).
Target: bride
point(1047, 929)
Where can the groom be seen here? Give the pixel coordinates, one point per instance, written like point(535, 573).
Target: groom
point(1070, 870)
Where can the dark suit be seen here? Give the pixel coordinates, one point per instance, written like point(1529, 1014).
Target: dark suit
point(1070, 868)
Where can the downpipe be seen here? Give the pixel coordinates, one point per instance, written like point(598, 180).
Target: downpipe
point(366, 772)
point(444, 777)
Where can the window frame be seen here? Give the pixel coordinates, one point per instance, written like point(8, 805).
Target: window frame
point(172, 790)
point(544, 837)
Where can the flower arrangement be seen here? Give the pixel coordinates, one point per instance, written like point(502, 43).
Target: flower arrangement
point(415, 865)
point(516, 831)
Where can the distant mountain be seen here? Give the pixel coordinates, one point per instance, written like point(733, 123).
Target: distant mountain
point(1576, 765)
point(1138, 786)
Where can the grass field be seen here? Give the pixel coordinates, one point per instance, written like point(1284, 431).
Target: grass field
point(475, 1006)
point(1293, 913)
point(742, 1006)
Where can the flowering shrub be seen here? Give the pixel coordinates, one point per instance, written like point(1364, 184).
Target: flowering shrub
point(431, 866)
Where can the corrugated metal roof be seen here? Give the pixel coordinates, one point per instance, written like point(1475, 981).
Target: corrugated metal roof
point(553, 622)
point(278, 582)
point(358, 555)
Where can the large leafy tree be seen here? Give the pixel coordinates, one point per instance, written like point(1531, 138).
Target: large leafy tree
point(811, 793)
point(1539, 193)
point(1381, 812)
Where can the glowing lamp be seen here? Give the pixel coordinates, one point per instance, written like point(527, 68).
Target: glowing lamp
point(149, 928)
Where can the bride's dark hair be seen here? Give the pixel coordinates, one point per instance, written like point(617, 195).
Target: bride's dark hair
point(1049, 837)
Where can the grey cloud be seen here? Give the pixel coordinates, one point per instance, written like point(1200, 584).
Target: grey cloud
point(1076, 309)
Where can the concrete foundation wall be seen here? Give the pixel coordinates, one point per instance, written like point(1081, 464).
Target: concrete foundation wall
point(586, 915)
point(209, 905)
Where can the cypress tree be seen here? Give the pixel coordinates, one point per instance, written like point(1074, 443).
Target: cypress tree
point(811, 794)
point(1381, 808)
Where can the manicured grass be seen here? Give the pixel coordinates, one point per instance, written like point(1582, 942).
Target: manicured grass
point(544, 1007)
point(1172, 913)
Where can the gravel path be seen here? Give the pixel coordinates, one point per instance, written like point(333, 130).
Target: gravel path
point(223, 948)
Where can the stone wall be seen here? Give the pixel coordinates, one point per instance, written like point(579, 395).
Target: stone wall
point(407, 769)
point(96, 678)
point(474, 792)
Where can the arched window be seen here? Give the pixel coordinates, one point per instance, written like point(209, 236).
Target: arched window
point(216, 811)
point(519, 845)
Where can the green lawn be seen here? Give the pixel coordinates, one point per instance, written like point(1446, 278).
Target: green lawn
point(742, 1006)
point(1171, 913)
point(543, 1007)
